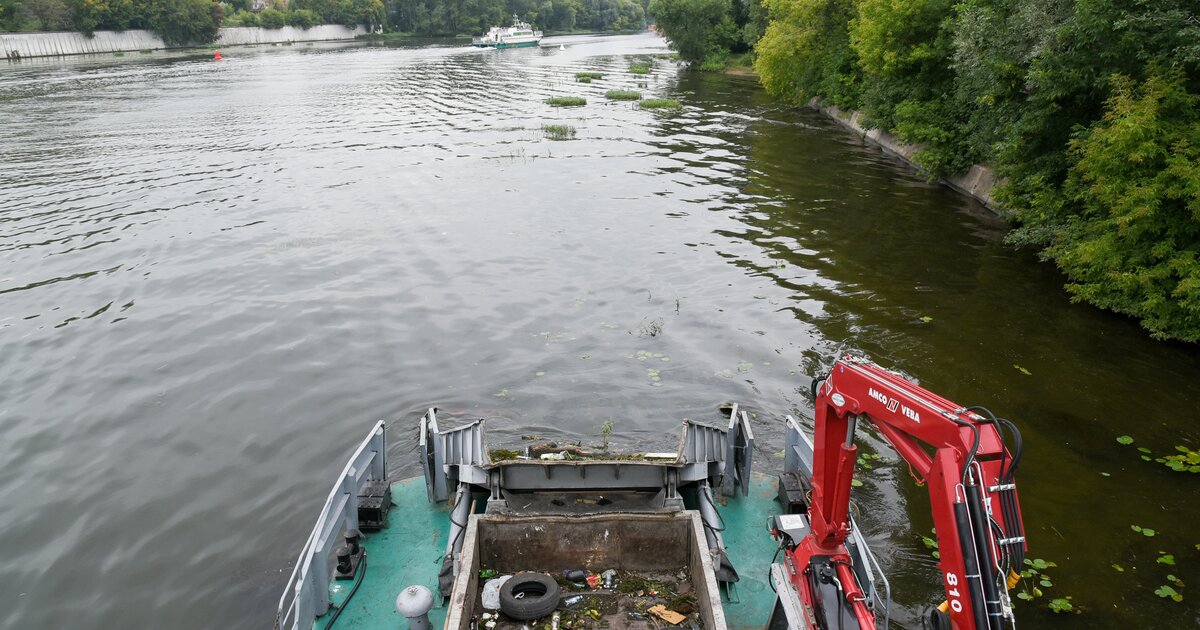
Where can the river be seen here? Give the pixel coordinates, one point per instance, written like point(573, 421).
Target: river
point(215, 276)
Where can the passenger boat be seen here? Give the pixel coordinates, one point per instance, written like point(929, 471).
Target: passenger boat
point(519, 35)
point(552, 537)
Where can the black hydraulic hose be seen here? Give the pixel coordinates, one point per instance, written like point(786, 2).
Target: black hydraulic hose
point(973, 577)
point(362, 572)
point(983, 548)
point(816, 384)
point(1008, 496)
point(974, 448)
point(1017, 449)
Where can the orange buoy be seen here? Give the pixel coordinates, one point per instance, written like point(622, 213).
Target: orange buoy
point(217, 56)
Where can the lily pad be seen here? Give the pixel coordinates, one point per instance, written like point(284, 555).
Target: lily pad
point(1022, 370)
point(1165, 592)
point(1125, 439)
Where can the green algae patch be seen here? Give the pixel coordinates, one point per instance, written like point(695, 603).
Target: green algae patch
point(558, 132)
point(566, 101)
point(659, 103)
point(623, 95)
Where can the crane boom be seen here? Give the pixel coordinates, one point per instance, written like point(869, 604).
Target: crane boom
point(958, 452)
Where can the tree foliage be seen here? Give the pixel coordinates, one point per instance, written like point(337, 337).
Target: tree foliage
point(709, 31)
point(455, 17)
point(1086, 108)
point(181, 22)
point(1132, 243)
point(805, 51)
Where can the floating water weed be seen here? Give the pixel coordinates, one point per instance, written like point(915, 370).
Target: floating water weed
point(566, 101)
point(623, 95)
point(558, 132)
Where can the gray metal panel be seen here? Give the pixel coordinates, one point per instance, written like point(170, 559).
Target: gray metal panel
point(798, 449)
point(739, 456)
point(702, 450)
point(533, 476)
point(307, 592)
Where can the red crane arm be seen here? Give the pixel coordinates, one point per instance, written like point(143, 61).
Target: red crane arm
point(958, 453)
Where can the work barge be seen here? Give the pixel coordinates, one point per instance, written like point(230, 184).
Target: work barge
point(560, 538)
point(682, 539)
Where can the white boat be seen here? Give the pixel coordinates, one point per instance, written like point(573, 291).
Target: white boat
point(519, 35)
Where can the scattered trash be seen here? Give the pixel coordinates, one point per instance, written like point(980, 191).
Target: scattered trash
point(554, 621)
point(593, 580)
point(610, 578)
point(488, 573)
point(575, 575)
point(571, 601)
point(554, 456)
point(491, 593)
point(669, 616)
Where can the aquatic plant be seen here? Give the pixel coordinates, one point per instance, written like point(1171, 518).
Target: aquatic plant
point(583, 80)
point(1169, 591)
point(659, 103)
point(640, 69)
point(623, 95)
point(1187, 461)
point(558, 132)
point(606, 430)
point(566, 101)
point(580, 76)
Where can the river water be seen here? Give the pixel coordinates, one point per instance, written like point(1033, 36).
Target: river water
point(214, 277)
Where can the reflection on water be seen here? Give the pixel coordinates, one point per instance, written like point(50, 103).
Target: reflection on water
point(215, 276)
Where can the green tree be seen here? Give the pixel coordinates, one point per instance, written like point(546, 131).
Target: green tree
point(272, 18)
point(181, 22)
point(1133, 246)
point(301, 18)
point(805, 52)
point(691, 25)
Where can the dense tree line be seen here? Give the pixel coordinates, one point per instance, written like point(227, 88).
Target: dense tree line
point(454, 17)
point(1088, 109)
point(196, 21)
point(176, 21)
point(708, 32)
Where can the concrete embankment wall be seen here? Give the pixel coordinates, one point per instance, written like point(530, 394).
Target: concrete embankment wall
point(24, 45)
point(978, 181)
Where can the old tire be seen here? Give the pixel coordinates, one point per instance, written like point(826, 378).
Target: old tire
point(538, 596)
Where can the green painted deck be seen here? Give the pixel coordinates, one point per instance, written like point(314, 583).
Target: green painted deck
point(750, 548)
point(410, 549)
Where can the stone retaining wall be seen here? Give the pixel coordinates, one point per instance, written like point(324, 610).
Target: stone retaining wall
point(25, 45)
point(977, 182)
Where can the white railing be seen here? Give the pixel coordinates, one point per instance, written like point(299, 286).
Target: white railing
point(306, 594)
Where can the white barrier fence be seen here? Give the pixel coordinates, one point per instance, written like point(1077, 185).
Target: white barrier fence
point(24, 45)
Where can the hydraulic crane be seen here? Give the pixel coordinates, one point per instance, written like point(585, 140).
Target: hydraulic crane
point(958, 452)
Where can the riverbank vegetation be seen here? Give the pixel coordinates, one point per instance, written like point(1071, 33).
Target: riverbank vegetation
point(711, 34)
point(182, 22)
point(442, 17)
point(1088, 110)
